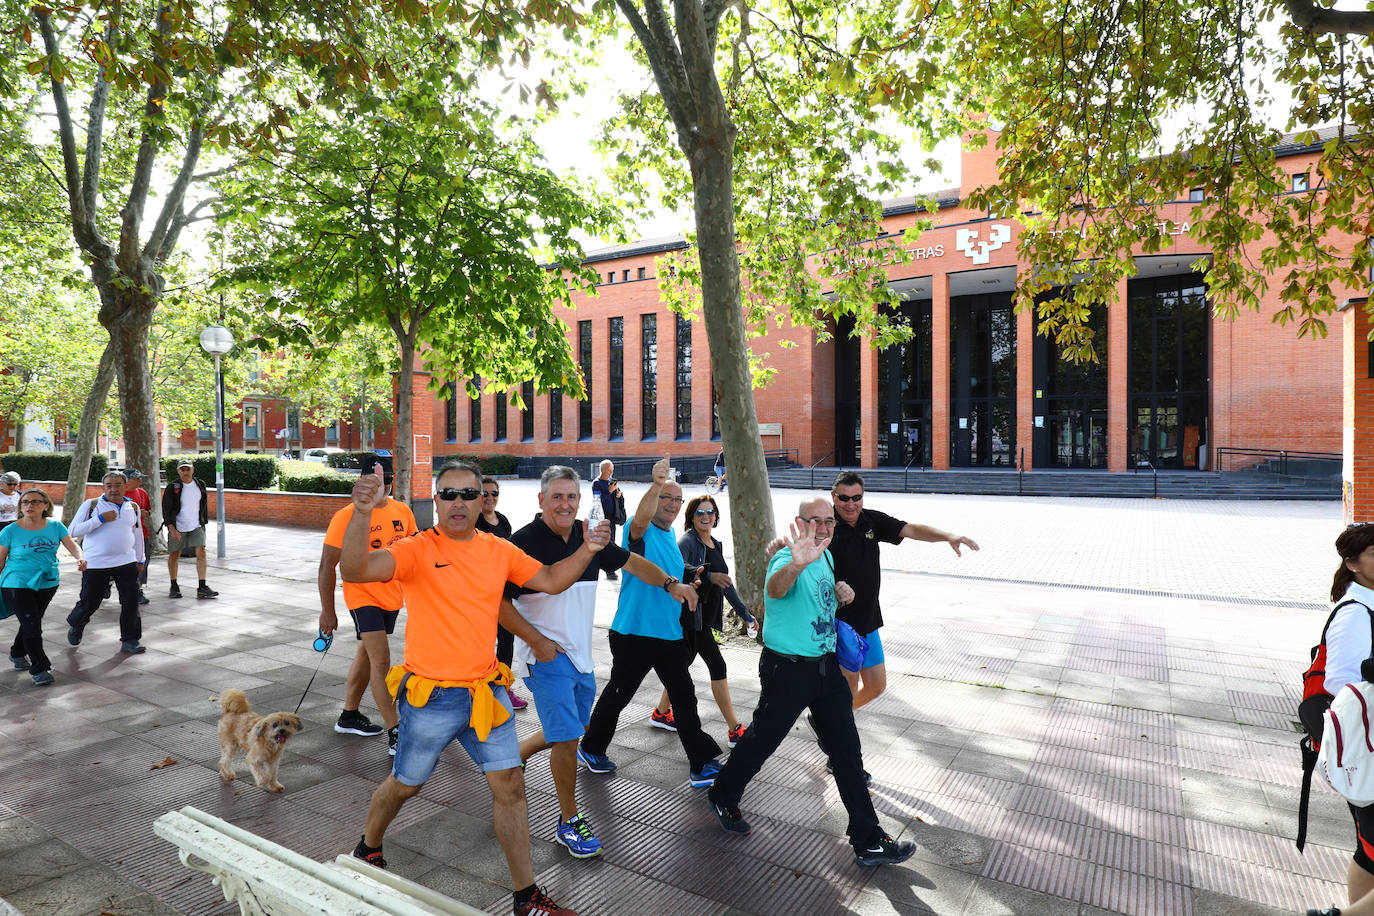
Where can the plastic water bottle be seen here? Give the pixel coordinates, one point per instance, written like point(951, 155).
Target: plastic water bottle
point(597, 515)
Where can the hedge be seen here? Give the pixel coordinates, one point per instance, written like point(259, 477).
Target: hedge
point(495, 465)
point(51, 465)
point(241, 471)
point(312, 481)
point(347, 459)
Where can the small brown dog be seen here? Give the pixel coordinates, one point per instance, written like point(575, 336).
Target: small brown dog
point(261, 737)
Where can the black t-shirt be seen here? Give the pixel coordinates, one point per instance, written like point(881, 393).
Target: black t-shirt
point(855, 551)
point(501, 529)
point(548, 547)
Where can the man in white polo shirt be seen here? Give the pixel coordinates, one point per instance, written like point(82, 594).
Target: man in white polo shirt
point(111, 526)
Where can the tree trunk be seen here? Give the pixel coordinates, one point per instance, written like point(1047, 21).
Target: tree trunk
point(751, 503)
point(138, 413)
point(405, 402)
point(86, 433)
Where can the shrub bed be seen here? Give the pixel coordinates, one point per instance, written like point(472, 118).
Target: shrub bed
point(241, 471)
point(495, 465)
point(314, 480)
point(51, 465)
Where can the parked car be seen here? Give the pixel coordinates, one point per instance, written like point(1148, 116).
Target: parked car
point(321, 455)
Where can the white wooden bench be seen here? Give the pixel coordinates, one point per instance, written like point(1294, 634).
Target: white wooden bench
point(266, 879)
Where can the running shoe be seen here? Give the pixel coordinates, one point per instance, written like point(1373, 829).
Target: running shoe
point(353, 722)
point(42, 679)
point(718, 636)
point(733, 735)
point(132, 647)
point(20, 662)
point(706, 776)
point(663, 720)
point(392, 735)
point(886, 851)
point(516, 700)
point(597, 763)
point(368, 854)
point(576, 834)
point(205, 591)
point(731, 820)
point(541, 905)
point(174, 591)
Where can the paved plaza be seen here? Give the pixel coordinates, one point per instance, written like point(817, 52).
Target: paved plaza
point(1091, 715)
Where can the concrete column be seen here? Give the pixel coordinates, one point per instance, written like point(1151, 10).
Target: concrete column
point(868, 402)
point(1357, 416)
point(1117, 355)
point(939, 371)
point(1025, 388)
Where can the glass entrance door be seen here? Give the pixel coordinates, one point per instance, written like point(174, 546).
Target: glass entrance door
point(983, 381)
point(1079, 439)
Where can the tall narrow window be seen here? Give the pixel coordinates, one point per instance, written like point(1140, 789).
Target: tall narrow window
point(617, 381)
point(451, 413)
point(527, 413)
point(556, 415)
point(501, 417)
point(715, 412)
point(683, 416)
point(648, 377)
point(584, 360)
point(475, 413)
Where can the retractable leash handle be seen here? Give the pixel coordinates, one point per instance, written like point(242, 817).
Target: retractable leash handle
point(320, 645)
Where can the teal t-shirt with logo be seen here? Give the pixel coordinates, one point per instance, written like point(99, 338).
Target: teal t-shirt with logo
point(802, 622)
point(647, 610)
point(32, 561)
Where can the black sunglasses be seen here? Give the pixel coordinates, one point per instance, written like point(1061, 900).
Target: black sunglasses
point(467, 494)
point(491, 492)
point(849, 499)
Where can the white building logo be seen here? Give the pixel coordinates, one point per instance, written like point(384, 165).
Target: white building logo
point(980, 252)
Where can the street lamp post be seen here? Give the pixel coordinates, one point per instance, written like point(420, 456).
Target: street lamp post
point(217, 341)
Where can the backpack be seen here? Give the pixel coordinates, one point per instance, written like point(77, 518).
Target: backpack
point(1347, 757)
point(1312, 713)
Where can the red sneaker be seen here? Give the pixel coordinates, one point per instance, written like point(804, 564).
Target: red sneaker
point(663, 720)
point(733, 735)
point(541, 905)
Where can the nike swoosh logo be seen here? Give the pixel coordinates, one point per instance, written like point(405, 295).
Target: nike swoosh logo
point(441, 565)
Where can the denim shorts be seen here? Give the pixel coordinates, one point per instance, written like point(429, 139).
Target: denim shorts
point(426, 730)
point(874, 655)
point(563, 696)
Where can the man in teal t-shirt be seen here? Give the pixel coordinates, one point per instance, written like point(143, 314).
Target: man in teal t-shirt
point(798, 671)
point(646, 635)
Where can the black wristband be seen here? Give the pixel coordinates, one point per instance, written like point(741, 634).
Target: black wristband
point(670, 582)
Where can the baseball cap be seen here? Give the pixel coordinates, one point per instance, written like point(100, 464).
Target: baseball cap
point(13, 476)
point(184, 463)
point(133, 472)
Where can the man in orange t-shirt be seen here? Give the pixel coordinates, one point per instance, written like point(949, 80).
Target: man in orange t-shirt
point(454, 577)
point(374, 607)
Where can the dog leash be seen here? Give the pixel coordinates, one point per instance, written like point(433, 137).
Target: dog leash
point(321, 645)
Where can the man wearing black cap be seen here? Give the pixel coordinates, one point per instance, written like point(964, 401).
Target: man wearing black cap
point(185, 512)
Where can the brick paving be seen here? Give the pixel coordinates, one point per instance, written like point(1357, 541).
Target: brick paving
point(1081, 747)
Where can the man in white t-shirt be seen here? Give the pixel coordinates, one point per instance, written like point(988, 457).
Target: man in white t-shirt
point(9, 498)
point(185, 510)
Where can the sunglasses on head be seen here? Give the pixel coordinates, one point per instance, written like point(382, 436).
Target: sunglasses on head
point(849, 499)
point(467, 494)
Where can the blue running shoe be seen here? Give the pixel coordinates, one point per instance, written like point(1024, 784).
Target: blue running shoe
point(706, 776)
point(597, 763)
point(576, 834)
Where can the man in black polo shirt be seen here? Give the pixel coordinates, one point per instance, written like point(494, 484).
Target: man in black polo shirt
point(855, 549)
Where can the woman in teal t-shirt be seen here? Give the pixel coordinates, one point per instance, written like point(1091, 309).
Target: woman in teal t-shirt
point(28, 578)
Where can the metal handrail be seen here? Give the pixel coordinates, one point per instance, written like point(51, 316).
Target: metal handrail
point(812, 469)
point(1283, 454)
point(1021, 472)
point(1154, 472)
point(908, 468)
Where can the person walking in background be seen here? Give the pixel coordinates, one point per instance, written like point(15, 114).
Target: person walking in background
point(494, 523)
point(113, 546)
point(9, 498)
point(701, 551)
point(374, 607)
point(646, 635)
point(720, 468)
point(145, 505)
point(28, 578)
point(185, 512)
point(798, 670)
point(607, 489)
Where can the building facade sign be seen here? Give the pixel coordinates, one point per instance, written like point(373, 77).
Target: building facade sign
point(980, 252)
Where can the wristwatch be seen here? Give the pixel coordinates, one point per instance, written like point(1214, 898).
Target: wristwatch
point(670, 582)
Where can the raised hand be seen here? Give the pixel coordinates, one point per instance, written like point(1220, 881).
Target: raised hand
point(803, 544)
point(660, 471)
point(597, 537)
point(369, 491)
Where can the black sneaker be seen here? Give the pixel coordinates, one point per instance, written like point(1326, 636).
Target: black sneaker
point(369, 855)
point(886, 851)
point(392, 734)
point(205, 591)
point(353, 722)
point(868, 777)
point(1329, 911)
point(142, 598)
point(74, 635)
point(132, 647)
point(20, 662)
point(174, 591)
point(731, 820)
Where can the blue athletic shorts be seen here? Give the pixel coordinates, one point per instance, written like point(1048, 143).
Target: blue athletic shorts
point(563, 696)
point(874, 655)
point(427, 730)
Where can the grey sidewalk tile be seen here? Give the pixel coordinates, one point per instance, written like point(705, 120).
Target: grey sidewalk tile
point(82, 892)
point(40, 861)
point(1210, 903)
point(994, 898)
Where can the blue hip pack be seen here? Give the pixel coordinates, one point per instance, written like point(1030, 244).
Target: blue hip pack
point(850, 647)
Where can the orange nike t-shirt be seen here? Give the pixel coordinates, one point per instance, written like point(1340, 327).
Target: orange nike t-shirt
point(453, 596)
point(389, 524)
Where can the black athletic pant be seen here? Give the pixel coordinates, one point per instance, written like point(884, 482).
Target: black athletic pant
point(790, 685)
point(28, 605)
point(93, 585)
point(505, 645)
point(632, 658)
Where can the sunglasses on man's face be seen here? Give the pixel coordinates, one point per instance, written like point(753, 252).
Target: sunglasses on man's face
point(467, 494)
point(849, 499)
point(491, 493)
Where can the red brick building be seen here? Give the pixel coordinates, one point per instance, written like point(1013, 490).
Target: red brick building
point(974, 387)
point(273, 425)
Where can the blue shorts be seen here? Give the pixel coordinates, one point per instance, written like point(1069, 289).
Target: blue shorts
point(563, 696)
point(874, 655)
point(427, 730)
